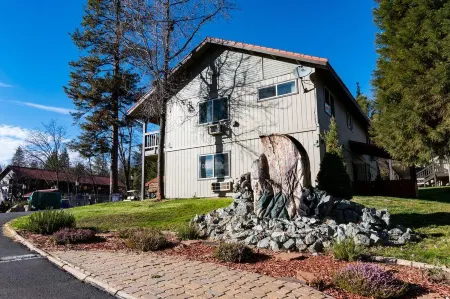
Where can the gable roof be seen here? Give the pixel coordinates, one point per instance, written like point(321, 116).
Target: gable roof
point(299, 58)
point(47, 175)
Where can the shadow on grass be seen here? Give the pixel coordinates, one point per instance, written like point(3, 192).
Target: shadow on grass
point(440, 194)
point(415, 220)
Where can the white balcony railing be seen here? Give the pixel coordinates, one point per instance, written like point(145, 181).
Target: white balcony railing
point(151, 142)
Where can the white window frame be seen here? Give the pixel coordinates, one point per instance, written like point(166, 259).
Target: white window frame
point(217, 121)
point(276, 90)
point(214, 166)
point(332, 104)
point(350, 117)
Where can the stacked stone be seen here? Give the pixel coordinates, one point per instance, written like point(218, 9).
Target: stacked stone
point(332, 220)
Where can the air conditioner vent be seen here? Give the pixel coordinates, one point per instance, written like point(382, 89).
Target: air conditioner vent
point(216, 129)
point(222, 186)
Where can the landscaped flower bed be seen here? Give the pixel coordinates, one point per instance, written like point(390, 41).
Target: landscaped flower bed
point(265, 262)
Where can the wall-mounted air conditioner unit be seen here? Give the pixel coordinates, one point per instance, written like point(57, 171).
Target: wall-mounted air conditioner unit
point(221, 187)
point(216, 129)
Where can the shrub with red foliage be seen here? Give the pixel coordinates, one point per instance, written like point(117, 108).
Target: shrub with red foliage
point(73, 236)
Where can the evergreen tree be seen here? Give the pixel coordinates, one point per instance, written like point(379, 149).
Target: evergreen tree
point(364, 102)
point(64, 159)
point(412, 79)
point(333, 176)
point(19, 158)
point(102, 83)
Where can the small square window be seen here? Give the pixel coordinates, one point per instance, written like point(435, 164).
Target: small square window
point(286, 88)
point(267, 92)
point(214, 166)
point(212, 111)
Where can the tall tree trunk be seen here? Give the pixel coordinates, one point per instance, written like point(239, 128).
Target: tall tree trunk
point(165, 99)
point(114, 185)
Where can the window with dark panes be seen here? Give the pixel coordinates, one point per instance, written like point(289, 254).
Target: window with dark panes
point(329, 102)
point(267, 92)
point(349, 121)
point(214, 166)
point(213, 110)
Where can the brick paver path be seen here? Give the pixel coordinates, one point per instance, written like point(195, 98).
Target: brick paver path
point(151, 276)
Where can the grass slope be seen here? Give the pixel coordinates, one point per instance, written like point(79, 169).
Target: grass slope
point(169, 214)
point(430, 215)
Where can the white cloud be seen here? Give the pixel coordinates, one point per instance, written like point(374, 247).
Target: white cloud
point(44, 107)
point(5, 85)
point(11, 137)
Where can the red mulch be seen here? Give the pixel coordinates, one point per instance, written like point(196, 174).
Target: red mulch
point(323, 266)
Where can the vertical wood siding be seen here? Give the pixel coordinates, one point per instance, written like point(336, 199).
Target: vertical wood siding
point(240, 76)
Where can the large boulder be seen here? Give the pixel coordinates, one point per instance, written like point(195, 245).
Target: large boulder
point(279, 176)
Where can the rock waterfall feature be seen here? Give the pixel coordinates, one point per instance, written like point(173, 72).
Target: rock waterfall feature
point(275, 207)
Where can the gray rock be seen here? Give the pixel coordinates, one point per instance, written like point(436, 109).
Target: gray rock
point(274, 245)
point(375, 240)
point(343, 205)
point(361, 239)
point(310, 239)
point(289, 244)
point(301, 246)
point(264, 243)
point(351, 216)
point(251, 240)
point(325, 206)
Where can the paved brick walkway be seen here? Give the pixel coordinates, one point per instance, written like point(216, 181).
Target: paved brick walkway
point(150, 276)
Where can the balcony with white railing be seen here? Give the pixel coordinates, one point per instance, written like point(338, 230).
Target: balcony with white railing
point(151, 143)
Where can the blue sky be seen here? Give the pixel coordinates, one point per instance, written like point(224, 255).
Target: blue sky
point(35, 48)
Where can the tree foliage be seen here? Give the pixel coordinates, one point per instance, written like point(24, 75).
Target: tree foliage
point(333, 176)
point(102, 83)
point(412, 79)
point(19, 158)
point(364, 102)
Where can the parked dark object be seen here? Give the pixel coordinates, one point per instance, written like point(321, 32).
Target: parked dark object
point(232, 252)
point(370, 281)
point(48, 222)
point(42, 200)
point(73, 236)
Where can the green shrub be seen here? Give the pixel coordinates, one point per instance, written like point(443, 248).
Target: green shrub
point(232, 252)
point(370, 281)
point(146, 239)
point(73, 236)
point(124, 233)
point(48, 222)
point(189, 231)
point(333, 177)
point(346, 250)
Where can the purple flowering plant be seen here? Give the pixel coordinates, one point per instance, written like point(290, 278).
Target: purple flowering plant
point(369, 280)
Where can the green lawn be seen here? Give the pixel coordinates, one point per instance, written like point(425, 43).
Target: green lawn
point(165, 215)
point(429, 215)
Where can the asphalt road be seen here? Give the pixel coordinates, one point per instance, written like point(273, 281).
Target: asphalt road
point(25, 275)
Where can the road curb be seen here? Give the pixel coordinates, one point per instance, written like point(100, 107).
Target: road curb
point(78, 273)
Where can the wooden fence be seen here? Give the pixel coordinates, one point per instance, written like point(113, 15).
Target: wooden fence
point(394, 188)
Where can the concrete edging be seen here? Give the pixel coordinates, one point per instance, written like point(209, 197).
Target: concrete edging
point(402, 262)
point(76, 272)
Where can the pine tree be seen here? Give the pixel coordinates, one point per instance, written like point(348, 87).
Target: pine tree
point(102, 83)
point(364, 102)
point(19, 158)
point(64, 159)
point(412, 79)
point(331, 138)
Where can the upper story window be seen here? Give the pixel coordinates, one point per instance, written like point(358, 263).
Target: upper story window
point(214, 110)
point(277, 90)
point(349, 121)
point(329, 102)
point(214, 166)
